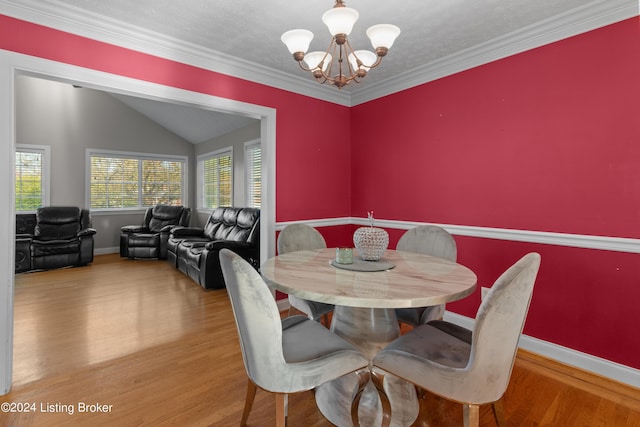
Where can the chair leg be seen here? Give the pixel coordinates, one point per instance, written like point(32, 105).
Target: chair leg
point(248, 402)
point(471, 415)
point(378, 381)
point(498, 412)
point(281, 409)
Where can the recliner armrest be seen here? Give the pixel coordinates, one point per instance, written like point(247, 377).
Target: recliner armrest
point(187, 231)
point(134, 229)
point(87, 232)
point(167, 228)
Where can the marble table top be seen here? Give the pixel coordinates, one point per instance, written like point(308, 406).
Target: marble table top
point(416, 280)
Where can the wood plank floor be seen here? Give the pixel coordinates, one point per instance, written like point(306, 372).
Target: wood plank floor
point(146, 346)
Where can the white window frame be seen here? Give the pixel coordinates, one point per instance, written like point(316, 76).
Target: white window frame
point(136, 156)
point(45, 150)
point(200, 174)
point(248, 171)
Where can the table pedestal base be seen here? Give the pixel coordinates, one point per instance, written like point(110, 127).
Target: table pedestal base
point(370, 330)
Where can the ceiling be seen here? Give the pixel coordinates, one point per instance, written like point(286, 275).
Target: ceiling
point(242, 37)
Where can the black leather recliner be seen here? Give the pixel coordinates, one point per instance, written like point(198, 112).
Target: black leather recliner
point(56, 236)
point(149, 240)
point(195, 251)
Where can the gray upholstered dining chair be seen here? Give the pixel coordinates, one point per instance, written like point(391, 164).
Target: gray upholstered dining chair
point(282, 356)
point(299, 237)
point(443, 359)
point(427, 240)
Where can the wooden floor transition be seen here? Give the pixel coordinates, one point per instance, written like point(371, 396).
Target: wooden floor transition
point(136, 343)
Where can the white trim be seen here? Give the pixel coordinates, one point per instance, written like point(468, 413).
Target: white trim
point(620, 244)
point(591, 16)
point(64, 17)
point(13, 64)
point(605, 368)
point(7, 218)
point(327, 222)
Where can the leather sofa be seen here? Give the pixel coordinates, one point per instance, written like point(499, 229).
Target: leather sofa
point(149, 240)
point(53, 237)
point(195, 251)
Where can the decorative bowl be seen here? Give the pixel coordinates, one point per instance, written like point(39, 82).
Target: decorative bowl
point(371, 242)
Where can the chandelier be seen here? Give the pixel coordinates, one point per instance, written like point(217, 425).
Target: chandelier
point(340, 64)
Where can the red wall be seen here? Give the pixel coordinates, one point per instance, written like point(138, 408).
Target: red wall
point(303, 148)
point(546, 140)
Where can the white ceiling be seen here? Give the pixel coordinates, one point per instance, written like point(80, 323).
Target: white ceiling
point(242, 37)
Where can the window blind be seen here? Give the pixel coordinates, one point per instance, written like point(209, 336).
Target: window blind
point(29, 179)
point(217, 180)
point(119, 182)
point(253, 168)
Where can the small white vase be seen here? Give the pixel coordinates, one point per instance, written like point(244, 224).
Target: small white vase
point(371, 242)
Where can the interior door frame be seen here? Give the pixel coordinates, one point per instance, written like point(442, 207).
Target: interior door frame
point(14, 64)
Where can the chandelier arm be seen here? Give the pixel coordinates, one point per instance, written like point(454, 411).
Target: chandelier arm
point(375, 64)
point(348, 49)
point(303, 67)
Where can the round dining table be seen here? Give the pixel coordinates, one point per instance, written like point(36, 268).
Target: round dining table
point(365, 294)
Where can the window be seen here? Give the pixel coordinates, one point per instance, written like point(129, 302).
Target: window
point(253, 173)
point(215, 179)
point(126, 180)
point(32, 177)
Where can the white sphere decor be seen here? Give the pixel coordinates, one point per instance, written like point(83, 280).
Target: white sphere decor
point(371, 242)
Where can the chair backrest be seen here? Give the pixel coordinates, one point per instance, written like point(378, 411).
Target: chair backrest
point(429, 240)
point(498, 325)
point(57, 222)
point(159, 216)
point(257, 319)
point(236, 224)
point(299, 237)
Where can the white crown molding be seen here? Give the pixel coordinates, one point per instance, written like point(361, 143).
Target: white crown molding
point(74, 20)
point(605, 243)
point(587, 362)
point(64, 17)
point(594, 15)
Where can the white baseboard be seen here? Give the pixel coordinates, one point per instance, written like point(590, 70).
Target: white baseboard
point(567, 356)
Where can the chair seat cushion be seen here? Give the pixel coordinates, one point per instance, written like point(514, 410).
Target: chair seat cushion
point(54, 247)
point(457, 331)
point(429, 343)
point(317, 339)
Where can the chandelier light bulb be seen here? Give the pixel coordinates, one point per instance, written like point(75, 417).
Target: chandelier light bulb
point(312, 59)
point(340, 20)
point(367, 58)
point(383, 35)
point(297, 40)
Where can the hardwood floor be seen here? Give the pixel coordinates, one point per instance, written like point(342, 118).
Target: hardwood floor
point(146, 346)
